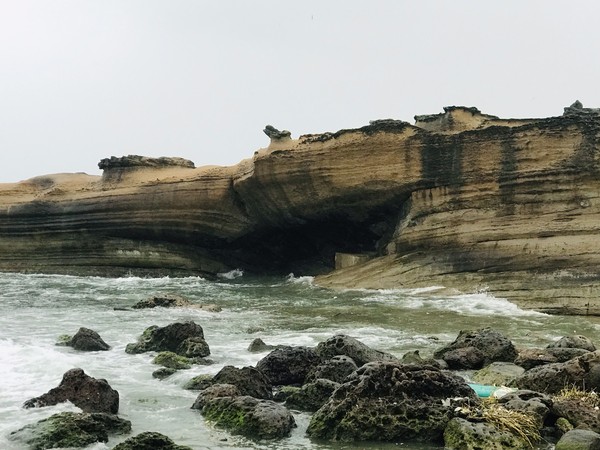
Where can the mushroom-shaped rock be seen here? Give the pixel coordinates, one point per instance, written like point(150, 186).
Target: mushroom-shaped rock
point(85, 392)
point(276, 135)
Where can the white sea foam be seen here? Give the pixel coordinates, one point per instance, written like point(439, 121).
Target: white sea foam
point(232, 274)
point(304, 280)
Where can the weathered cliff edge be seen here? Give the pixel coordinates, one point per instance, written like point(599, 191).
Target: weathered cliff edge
point(460, 199)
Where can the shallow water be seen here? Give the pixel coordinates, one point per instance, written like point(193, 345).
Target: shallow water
point(36, 309)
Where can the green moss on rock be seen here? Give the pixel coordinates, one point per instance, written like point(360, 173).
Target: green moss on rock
point(172, 360)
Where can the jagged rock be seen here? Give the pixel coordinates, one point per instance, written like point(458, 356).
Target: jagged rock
point(461, 434)
point(582, 372)
point(579, 440)
point(335, 369)
point(88, 393)
point(533, 403)
point(288, 365)
point(574, 342)
point(262, 419)
point(577, 109)
point(183, 338)
point(86, 340)
point(387, 401)
point(481, 347)
point(275, 134)
point(70, 429)
point(311, 396)
point(360, 353)
point(214, 391)
point(150, 441)
point(172, 361)
point(498, 374)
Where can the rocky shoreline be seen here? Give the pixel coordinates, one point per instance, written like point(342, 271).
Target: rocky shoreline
point(539, 397)
point(460, 199)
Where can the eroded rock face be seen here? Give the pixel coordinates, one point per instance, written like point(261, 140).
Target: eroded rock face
point(387, 401)
point(461, 199)
point(88, 393)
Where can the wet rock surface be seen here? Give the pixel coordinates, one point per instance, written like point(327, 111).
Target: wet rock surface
point(184, 338)
point(288, 365)
point(85, 392)
point(87, 340)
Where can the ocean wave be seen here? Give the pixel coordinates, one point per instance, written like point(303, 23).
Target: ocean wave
point(305, 280)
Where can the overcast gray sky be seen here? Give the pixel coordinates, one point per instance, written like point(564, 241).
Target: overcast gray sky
point(81, 80)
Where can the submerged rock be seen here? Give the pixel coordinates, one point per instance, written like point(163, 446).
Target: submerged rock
point(251, 417)
point(88, 393)
point(288, 365)
point(474, 349)
point(163, 301)
point(388, 401)
point(183, 338)
point(150, 441)
point(70, 429)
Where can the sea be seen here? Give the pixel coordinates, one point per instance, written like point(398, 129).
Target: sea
point(35, 310)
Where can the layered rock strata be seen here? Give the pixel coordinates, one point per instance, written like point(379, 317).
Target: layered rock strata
point(461, 199)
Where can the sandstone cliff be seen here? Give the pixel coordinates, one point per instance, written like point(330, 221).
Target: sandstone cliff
point(460, 199)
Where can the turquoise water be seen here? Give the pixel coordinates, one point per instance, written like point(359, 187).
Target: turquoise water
point(36, 309)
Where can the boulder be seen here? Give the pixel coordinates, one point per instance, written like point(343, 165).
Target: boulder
point(335, 369)
point(85, 392)
point(579, 440)
point(461, 434)
point(533, 357)
point(258, 345)
point(464, 358)
point(150, 441)
point(249, 380)
point(163, 372)
point(251, 417)
point(183, 338)
point(535, 404)
point(360, 353)
point(70, 429)
point(87, 340)
point(489, 345)
point(498, 374)
point(214, 391)
point(582, 372)
point(288, 365)
point(311, 396)
point(576, 341)
point(388, 401)
point(578, 412)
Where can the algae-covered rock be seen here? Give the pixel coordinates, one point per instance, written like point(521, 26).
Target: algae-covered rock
point(388, 401)
point(199, 382)
point(150, 441)
point(183, 338)
point(251, 417)
point(461, 434)
point(579, 440)
point(311, 396)
point(172, 360)
point(70, 429)
point(163, 372)
point(88, 393)
point(214, 391)
point(498, 373)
